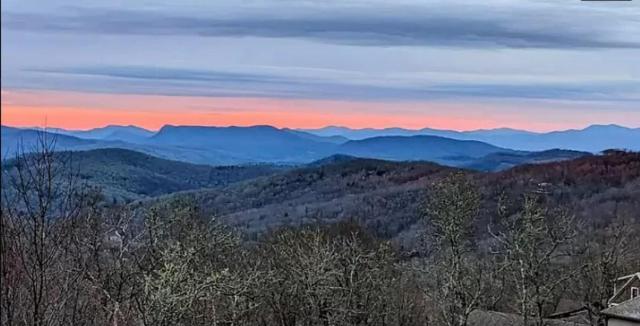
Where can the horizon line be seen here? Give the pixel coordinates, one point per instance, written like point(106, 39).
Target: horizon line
point(36, 127)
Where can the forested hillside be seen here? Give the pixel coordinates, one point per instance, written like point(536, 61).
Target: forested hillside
point(387, 196)
point(124, 175)
point(308, 246)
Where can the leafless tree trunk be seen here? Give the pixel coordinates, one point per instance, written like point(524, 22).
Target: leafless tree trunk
point(40, 198)
point(451, 210)
point(533, 245)
point(607, 253)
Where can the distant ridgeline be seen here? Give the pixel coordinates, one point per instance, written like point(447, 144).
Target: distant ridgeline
point(485, 150)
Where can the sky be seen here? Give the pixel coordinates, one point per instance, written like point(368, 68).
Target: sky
point(459, 64)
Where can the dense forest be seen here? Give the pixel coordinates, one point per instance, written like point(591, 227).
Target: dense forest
point(351, 242)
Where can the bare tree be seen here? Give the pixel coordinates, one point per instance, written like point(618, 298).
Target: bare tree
point(456, 273)
point(533, 245)
point(315, 276)
point(607, 253)
point(41, 197)
point(186, 259)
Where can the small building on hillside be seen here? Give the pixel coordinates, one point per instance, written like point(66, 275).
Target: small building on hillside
point(571, 310)
point(624, 314)
point(625, 288)
point(624, 309)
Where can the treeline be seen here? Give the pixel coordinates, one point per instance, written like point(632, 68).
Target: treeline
point(68, 258)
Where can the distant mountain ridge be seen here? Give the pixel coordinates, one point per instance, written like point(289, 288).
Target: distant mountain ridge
point(255, 143)
point(414, 148)
point(594, 138)
point(128, 133)
point(267, 144)
point(359, 134)
point(16, 140)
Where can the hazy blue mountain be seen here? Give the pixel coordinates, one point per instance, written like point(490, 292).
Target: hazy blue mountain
point(485, 135)
point(359, 134)
point(419, 148)
point(593, 139)
point(112, 132)
point(265, 144)
point(201, 145)
point(13, 139)
point(322, 139)
point(256, 143)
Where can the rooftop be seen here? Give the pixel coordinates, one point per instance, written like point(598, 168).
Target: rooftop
point(494, 318)
point(628, 310)
point(628, 276)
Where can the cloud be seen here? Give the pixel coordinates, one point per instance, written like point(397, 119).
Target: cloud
point(457, 24)
point(194, 82)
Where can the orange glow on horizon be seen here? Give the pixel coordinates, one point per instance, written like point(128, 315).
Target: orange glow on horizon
point(71, 110)
point(85, 111)
point(77, 118)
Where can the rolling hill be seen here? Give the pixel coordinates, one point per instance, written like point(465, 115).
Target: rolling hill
point(125, 175)
point(387, 196)
point(505, 160)
point(420, 148)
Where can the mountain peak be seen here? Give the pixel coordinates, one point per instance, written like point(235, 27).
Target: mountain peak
point(606, 126)
point(114, 126)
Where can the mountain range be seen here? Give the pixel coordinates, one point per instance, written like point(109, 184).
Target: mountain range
point(16, 140)
point(594, 138)
point(483, 149)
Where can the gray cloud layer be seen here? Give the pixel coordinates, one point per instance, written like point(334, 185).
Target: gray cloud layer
point(344, 49)
point(192, 82)
point(462, 25)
